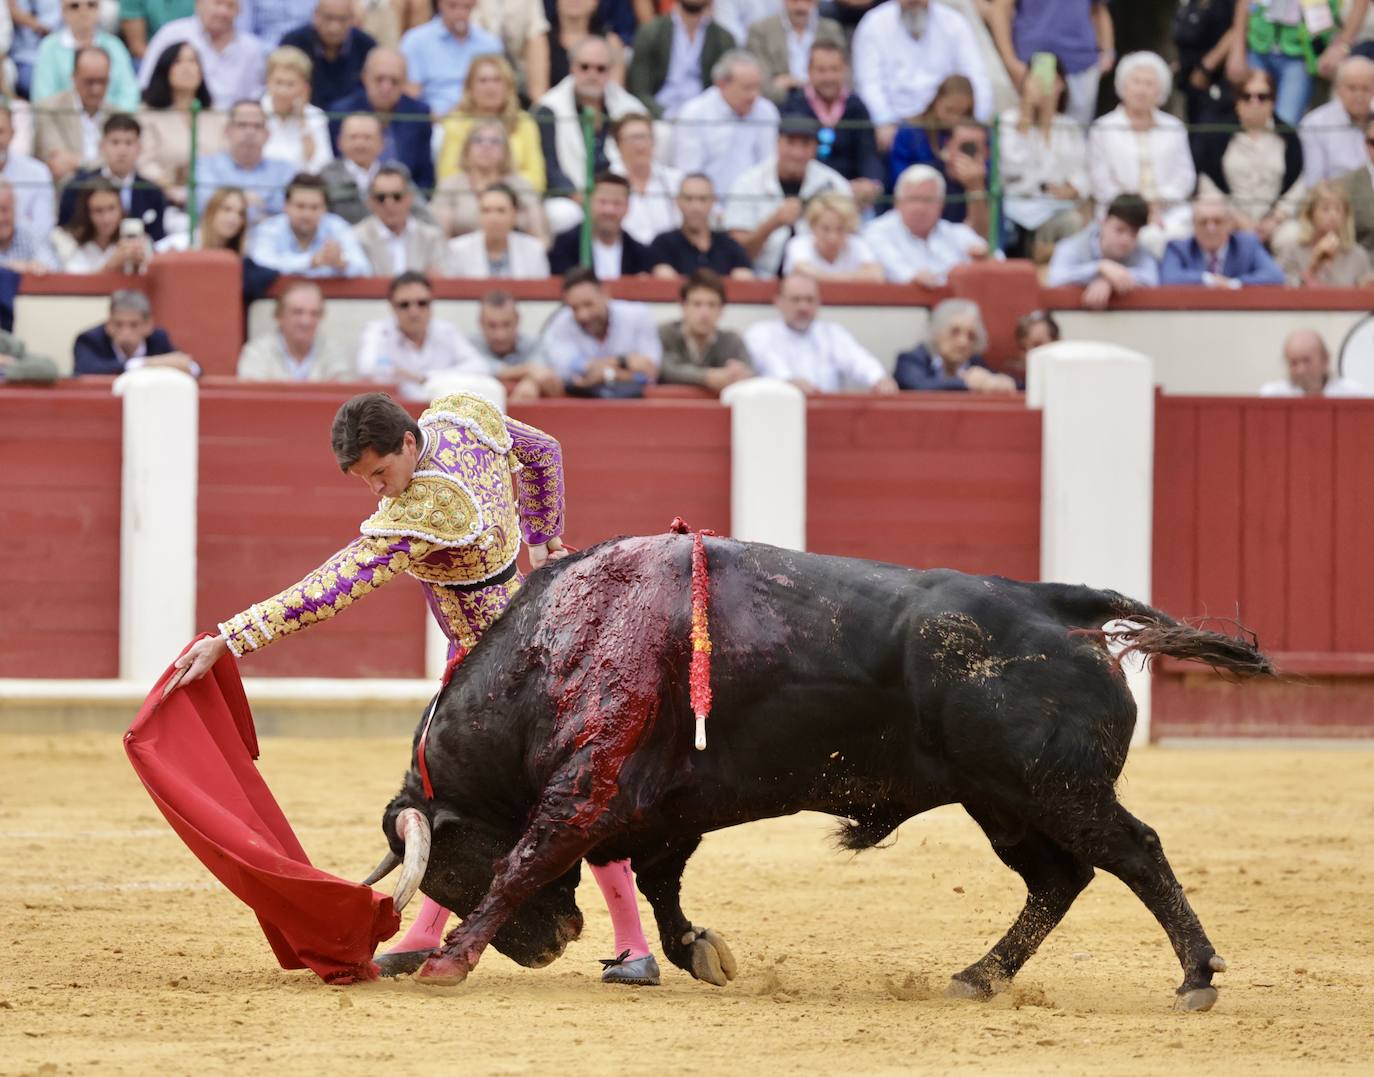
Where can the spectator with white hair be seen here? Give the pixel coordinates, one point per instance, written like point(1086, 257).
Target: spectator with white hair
point(903, 50)
point(1137, 148)
point(1333, 134)
point(832, 248)
point(815, 355)
point(297, 131)
point(1309, 370)
point(1218, 255)
point(913, 241)
point(951, 359)
point(731, 127)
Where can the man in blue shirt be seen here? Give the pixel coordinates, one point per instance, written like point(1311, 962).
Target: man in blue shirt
point(269, 20)
point(337, 50)
point(438, 53)
point(1106, 258)
point(307, 239)
point(1218, 256)
point(243, 165)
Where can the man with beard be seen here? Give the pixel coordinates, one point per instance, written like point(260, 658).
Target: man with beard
point(601, 346)
point(674, 55)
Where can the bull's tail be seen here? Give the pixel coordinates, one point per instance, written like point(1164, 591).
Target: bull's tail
point(1150, 632)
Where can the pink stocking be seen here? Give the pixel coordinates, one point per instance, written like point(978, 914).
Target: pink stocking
point(427, 931)
point(617, 884)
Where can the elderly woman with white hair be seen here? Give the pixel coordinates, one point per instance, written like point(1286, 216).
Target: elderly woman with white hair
point(952, 360)
point(1137, 148)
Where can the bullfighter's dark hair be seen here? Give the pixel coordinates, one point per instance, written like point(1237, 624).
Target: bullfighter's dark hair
point(1131, 210)
point(371, 421)
point(580, 275)
point(707, 280)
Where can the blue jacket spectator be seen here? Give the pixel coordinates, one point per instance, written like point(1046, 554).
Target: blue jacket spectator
point(406, 137)
point(1218, 256)
point(128, 340)
point(952, 360)
point(846, 141)
point(337, 51)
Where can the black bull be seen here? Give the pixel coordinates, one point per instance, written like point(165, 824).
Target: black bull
point(868, 691)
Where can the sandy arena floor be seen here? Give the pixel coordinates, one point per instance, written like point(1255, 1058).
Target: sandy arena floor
point(125, 957)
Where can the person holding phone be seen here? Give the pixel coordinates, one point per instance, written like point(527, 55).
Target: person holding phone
point(99, 239)
point(1078, 32)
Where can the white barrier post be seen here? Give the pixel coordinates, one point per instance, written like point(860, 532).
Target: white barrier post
point(157, 533)
point(767, 462)
point(1097, 475)
point(441, 384)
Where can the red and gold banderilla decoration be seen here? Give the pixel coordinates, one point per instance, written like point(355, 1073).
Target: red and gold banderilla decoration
point(699, 679)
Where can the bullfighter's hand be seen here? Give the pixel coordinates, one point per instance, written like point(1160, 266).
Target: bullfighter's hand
point(196, 662)
point(543, 552)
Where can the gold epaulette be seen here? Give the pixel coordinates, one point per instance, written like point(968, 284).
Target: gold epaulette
point(477, 413)
point(434, 507)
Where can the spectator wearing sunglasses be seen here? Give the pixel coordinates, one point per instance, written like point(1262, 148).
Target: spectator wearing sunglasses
point(410, 345)
point(391, 237)
point(52, 69)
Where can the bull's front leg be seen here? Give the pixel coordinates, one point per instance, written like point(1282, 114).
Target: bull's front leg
point(697, 950)
point(548, 849)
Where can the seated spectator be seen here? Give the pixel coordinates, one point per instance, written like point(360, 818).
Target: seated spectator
point(296, 350)
point(767, 201)
point(1033, 330)
point(1284, 40)
point(653, 186)
point(845, 135)
point(665, 82)
point(695, 245)
point(405, 123)
point(1309, 370)
point(1106, 257)
point(496, 249)
point(243, 165)
point(964, 162)
point(30, 179)
point(730, 128)
point(696, 350)
point(1139, 149)
point(598, 346)
point(1219, 255)
point(18, 365)
point(922, 140)
point(515, 358)
point(33, 21)
point(1360, 190)
point(490, 93)
point(297, 131)
point(614, 254)
point(388, 20)
point(815, 355)
point(410, 345)
point(903, 50)
point(139, 20)
point(269, 20)
point(306, 238)
point(223, 226)
point(438, 53)
point(1044, 162)
point(337, 50)
point(523, 28)
point(831, 248)
point(393, 239)
point(20, 248)
point(952, 358)
point(558, 115)
point(737, 16)
point(486, 160)
point(128, 340)
point(783, 44)
point(571, 22)
point(53, 66)
point(348, 177)
point(913, 241)
point(233, 61)
point(1079, 35)
point(1333, 134)
point(68, 124)
point(1326, 254)
point(92, 241)
point(1259, 166)
point(166, 119)
point(140, 197)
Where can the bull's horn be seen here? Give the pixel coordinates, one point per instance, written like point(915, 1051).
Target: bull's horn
point(413, 829)
point(389, 863)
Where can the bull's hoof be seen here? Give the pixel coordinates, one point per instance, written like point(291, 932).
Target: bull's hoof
point(400, 963)
point(1198, 1000)
point(442, 971)
point(709, 956)
point(638, 972)
point(979, 992)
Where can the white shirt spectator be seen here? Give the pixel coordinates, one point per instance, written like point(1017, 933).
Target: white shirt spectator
point(1031, 161)
point(712, 138)
point(630, 330)
point(385, 354)
point(606, 259)
point(826, 355)
point(1334, 387)
point(896, 75)
point(33, 195)
point(757, 193)
point(525, 258)
point(286, 138)
point(801, 250)
point(738, 15)
point(655, 211)
point(234, 74)
point(903, 255)
point(1331, 144)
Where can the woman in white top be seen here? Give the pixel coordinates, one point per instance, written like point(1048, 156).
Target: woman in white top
point(833, 250)
point(297, 131)
point(496, 249)
point(1139, 149)
point(91, 242)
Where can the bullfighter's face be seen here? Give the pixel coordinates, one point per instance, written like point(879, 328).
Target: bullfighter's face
point(389, 475)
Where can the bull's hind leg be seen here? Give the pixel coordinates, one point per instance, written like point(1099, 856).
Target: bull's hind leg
point(1116, 841)
point(1054, 877)
point(697, 950)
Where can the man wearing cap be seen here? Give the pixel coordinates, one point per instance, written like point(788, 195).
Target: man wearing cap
point(764, 209)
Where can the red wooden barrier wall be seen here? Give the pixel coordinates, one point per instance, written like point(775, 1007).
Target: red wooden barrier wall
point(1263, 513)
point(59, 578)
point(929, 481)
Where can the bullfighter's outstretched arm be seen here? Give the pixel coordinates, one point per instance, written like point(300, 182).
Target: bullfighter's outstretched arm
point(355, 571)
point(539, 482)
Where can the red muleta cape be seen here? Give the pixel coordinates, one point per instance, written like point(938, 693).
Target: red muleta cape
point(194, 753)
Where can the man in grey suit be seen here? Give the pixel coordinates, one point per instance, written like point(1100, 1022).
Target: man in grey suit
point(296, 350)
point(393, 240)
point(1360, 190)
point(68, 125)
point(783, 43)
